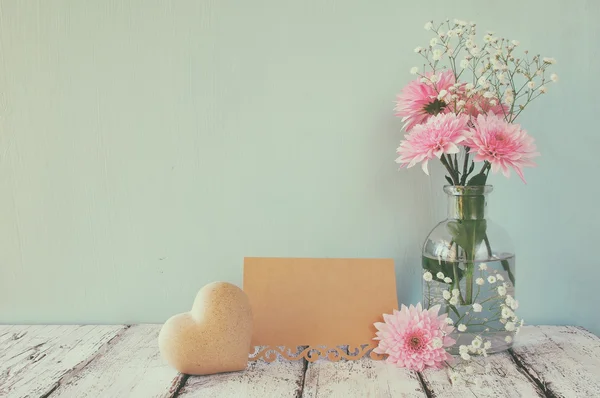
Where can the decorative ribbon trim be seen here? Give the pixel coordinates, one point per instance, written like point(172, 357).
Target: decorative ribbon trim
point(312, 353)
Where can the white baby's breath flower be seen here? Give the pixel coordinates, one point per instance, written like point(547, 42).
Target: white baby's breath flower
point(455, 292)
point(482, 80)
point(539, 72)
point(499, 277)
point(543, 89)
point(433, 41)
point(487, 345)
point(488, 94)
point(509, 99)
point(491, 279)
point(464, 63)
point(427, 276)
point(493, 102)
point(470, 86)
point(440, 275)
point(460, 103)
point(434, 78)
point(436, 55)
point(501, 290)
point(483, 266)
point(480, 281)
point(531, 84)
point(418, 49)
point(428, 25)
point(437, 343)
point(554, 77)
point(510, 326)
point(446, 294)
point(425, 80)
point(515, 43)
point(414, 70)
point(448, 280)
point(515, 304)
point(477, 307)
point(460, 22)
point(474, 51)
point(549, 60)
point(462, 327)
point(453, 300)
point(451, 33)
point(506, 312)
point(454, 377)
point(508, 339)
point(449, 321)
point(476, 343)
point(465, 356)
point(463, 348)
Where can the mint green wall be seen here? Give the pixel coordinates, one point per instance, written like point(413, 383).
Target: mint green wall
point(147, 146)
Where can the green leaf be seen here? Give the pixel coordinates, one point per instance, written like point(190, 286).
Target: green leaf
point(471, 168)
point(446, 267)
point(506, 266)
point(449, 180)
point(478, 179)
point(468, 234)
point(453, 308)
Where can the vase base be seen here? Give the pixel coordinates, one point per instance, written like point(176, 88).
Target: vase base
point(498, 340)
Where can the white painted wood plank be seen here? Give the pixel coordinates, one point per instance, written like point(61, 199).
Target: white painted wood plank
point(130, 367)
point(281, 379)
point(565, 360)
point(506, 379)
point(362, 378)
point(34, 359)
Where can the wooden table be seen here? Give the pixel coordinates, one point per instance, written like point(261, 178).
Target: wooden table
point(123, 361)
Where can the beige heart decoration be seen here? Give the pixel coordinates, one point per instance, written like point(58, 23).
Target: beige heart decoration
point(214, 337)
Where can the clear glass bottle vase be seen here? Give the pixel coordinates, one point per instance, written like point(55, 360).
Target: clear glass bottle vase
point(469, 270)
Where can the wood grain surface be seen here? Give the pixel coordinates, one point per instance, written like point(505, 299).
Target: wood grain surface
point(123, 361)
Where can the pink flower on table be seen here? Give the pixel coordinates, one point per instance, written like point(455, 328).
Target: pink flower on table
point(414, 338)
point(440, 135)
point(502, 144)
point(419, 100)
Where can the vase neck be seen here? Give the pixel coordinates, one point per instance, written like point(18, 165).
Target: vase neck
point(467, 203)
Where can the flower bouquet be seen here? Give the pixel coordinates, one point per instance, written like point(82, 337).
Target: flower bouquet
point(462, 109)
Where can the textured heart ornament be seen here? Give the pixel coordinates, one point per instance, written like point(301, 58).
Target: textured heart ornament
point(214, 337)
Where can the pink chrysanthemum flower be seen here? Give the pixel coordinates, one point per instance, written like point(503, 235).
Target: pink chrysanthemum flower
point(502, 144)
point(439, 135)
point(414, 338)
point(477, 105)
point(419, 101)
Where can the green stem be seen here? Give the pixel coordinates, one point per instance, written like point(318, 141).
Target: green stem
point(469, 266)
point(449, 168)
point(465, 165)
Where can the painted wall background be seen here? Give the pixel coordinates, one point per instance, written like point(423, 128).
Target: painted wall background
point(148, 146)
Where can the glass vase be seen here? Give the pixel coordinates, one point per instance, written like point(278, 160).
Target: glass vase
point(469, 270)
